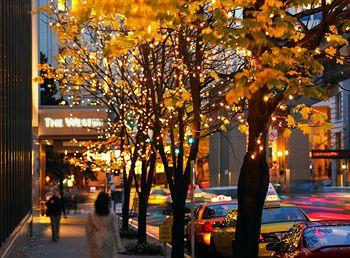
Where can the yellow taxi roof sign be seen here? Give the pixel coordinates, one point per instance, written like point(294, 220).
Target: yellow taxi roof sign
point(272, 196)
point(221, 198)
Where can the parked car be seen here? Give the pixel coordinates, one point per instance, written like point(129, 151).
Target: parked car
point(277, 219)
point(205, 216)
point(328, 239)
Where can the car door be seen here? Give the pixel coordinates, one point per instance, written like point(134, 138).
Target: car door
point(227, 234)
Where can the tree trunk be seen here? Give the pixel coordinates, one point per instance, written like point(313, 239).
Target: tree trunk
point(126, 204)
point(142, 218)
point(178, 227)
point(253, 180)
point(252, 187)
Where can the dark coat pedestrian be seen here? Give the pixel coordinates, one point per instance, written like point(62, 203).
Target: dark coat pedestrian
point(55, 208)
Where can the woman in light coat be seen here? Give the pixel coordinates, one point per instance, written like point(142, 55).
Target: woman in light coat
point(102, 230)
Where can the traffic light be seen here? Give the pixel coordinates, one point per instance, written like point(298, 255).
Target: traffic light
point(176, 150)
point(190, 140)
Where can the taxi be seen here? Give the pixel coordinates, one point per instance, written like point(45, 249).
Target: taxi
point(277, 219)
point(205, 216)
point(158, 196)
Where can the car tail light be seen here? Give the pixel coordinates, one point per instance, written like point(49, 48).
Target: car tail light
point(261, 238)
point(207, 227)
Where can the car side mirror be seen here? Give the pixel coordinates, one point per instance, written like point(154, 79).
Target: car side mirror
point(272, 246)
point(217, 224)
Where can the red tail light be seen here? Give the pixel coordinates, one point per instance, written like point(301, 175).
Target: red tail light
point(207, 227)
point(261, 238)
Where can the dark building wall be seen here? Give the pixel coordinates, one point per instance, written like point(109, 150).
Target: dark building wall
point(15, 114)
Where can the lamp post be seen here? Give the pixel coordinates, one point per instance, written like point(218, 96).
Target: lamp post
point(343, 172)
point(311, 173)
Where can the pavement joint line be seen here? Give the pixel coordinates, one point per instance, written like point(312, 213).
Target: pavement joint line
point(133, 223)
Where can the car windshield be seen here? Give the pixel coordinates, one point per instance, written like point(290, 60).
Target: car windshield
point(282, 214)
point(218, 210)
point(159, 191)
point(320, 236)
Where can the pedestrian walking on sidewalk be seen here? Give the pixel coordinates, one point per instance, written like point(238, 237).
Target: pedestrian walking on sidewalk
point(102, 230)
point(55, 208)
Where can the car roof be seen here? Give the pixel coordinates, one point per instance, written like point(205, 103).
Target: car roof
point(327, 223)
point(220, 202)
point(281, 204)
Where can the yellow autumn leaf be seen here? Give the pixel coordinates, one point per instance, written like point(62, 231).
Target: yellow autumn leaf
point(207, 31)
point(179, 104)
point(305, 113)
point(333, 29)
point(327, 127)
point(340, 61)
point(186, 95)
point(39, 80)
point(243, 128)
point(233, 96)
point(305, 128)
point(290, 121)
point(214, 75)
point(331, 51)
point(287, 132)
point(168, 102)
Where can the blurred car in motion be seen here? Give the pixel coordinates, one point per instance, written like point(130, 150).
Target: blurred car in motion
point(314, 239)
point(205, 216)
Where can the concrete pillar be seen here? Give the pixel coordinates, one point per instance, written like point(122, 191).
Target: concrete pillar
point(334, 172)
point(226, 156)
point(298, 157)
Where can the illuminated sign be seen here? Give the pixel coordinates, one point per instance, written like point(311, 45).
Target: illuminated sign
point(330, 154)
point(271, 196)
point(73, 122)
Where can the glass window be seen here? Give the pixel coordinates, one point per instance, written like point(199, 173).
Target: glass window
point(338, 106)
point(320, 236)
point(338, 140)
point(218, 210)
point(282, 214)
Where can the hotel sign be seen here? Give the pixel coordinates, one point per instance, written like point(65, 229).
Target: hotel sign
point(73, 122)
point(64, 121)
point(330, 154)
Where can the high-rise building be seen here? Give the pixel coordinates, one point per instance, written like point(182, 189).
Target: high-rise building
point(15, 120)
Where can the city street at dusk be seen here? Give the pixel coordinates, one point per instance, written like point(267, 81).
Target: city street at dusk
point(174, 128)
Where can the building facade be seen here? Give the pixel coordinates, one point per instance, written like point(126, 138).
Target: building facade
point(15, 118)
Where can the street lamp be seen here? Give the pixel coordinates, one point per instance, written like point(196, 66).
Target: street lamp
point(343, 167)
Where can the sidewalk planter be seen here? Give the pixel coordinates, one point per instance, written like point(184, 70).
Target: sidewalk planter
point(130, 233)
point(143, 249)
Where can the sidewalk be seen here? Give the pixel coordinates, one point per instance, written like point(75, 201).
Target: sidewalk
point(72, 243)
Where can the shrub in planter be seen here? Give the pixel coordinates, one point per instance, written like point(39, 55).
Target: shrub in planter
point(129, 233)
point(143, 249)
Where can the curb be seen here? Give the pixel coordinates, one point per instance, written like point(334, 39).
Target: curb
point(133, 223)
